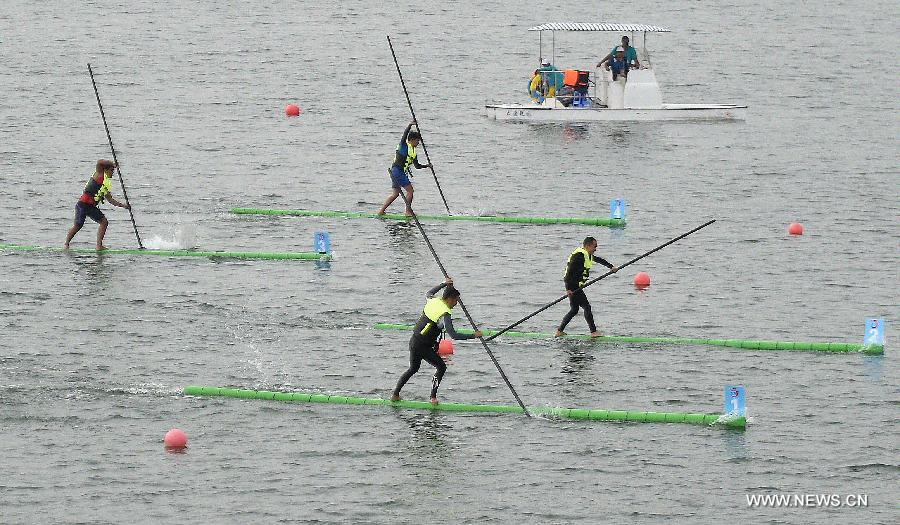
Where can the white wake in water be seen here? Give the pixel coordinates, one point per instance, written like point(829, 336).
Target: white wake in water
point(180, 237)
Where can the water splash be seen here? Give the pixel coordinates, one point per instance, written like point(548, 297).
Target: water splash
point(268, 370)
point(180, 237)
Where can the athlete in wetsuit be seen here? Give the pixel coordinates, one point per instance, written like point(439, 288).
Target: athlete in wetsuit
point(424, 341)
point(578, 270)
point(406, 156)
point(95, 192)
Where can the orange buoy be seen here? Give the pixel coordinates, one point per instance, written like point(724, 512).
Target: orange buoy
point(292, 110)
point(642, 280)
point(445, 347)
point(795, 228)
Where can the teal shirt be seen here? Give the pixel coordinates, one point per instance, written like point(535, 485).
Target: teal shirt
point(630, 53)
point(554, 76)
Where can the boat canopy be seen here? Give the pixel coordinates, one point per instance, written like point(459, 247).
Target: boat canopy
point(590, 26)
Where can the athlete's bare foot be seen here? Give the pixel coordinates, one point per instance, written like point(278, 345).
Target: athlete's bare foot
point(100, 248)
point(434, 401)
point(596, 334)
point(395, 398)
point(66, 246)
point(560, 333)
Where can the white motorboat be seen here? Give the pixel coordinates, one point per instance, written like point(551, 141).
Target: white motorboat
point(595, 96)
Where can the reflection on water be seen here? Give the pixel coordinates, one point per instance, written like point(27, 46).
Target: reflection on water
point(427, 451)
point(578, 364)
point(399, 233)
point(404, 246)
point(92, 270)
point(874, 367)
point(94, 275)
point(616, 235)
point(618, 134)
point(427, 428)
point(574, 132)
point(736, 445)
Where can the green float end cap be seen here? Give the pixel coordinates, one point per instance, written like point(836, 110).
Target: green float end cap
point(872, 349)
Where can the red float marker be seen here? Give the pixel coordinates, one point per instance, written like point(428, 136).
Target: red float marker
point(175, 438)
point(642, 280)
point(445, 347)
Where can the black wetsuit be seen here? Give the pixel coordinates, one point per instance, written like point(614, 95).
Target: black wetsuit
point(424, 347)
point(575, 277)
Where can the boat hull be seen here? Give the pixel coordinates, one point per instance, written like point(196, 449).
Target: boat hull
point(669, 112)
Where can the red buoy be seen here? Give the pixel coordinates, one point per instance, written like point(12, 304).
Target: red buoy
point(642, 280)
point(446, 347)
point(795, 228)
point(292, 110)
point(175, 438)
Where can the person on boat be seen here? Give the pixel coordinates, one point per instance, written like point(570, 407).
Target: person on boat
point(405, 156)
point(552, 78)
point(95, 192)
point(630, 54)
point(578, 270)
point(435, 320)
point(618, 65)
point(535, 87)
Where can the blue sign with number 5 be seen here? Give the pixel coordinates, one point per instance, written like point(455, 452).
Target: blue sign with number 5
point(735, 401)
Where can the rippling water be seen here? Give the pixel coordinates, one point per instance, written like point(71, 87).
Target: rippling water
point(96, 349)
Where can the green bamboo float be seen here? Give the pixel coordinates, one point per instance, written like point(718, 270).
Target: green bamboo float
point(596, 221)
point(564, 413)
point(307, 256)
point(731, 343)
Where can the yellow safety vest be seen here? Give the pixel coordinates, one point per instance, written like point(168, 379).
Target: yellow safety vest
point(98, 191)
point(434, 309)
point(410, 155)
point(588, 263)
